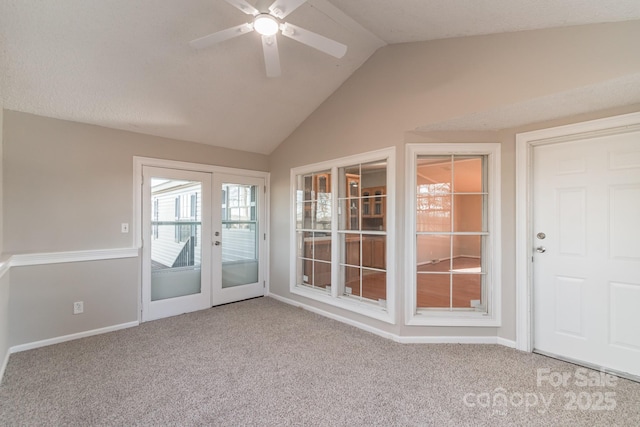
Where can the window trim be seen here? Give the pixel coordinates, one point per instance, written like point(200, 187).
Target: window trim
point(424, 317)
point(386, 314)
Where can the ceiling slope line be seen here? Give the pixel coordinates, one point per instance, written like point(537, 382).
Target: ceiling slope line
point(332, 12)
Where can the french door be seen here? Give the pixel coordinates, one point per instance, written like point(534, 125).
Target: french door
point(238, 238)
point(203, 240)
point(176, 227)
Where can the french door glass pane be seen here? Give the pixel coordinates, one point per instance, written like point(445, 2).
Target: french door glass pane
point(176, 227)
point(239, 235)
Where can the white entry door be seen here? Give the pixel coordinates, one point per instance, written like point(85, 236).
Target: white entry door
point(239, 238)
point(586, 266)
point(176, 227)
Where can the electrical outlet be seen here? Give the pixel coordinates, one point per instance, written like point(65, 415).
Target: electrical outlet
point(78, 307)
point(124, 227)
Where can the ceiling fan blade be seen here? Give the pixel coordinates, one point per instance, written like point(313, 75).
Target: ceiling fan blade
point(271, 56)
point(221, 36)
point(314, 40)
point(244, 7)
point(281, 8)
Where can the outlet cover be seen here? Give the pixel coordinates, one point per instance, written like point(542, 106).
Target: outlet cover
point(124, 227)
point(78, 307)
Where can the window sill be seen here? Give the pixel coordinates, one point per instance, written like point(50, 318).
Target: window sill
point(435, 318)
point(363, 308)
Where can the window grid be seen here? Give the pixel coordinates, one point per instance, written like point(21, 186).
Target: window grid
point(313, 207)
point(440, 197)
point(313, 226)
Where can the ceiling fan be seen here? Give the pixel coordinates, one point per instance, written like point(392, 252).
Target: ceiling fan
point(266, 22)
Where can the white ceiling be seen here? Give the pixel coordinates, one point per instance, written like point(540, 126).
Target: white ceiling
point(127, 64)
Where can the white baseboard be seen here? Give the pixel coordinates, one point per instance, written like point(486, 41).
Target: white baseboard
point(4, 365)
point(394, 337)
point(507, 343)
point(446, 340)
point(64, 338)
point(337, 317)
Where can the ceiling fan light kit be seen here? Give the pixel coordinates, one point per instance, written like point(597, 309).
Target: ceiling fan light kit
point(266, 23)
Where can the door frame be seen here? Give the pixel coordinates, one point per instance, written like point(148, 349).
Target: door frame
point(525, 143)
point(136, 228)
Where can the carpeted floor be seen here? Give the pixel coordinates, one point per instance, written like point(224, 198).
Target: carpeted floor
point(262, 362)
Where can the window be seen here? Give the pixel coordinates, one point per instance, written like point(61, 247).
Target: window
point(313, 230)
point(156, 217)
point(186, 217)
point(455, 254)
point(239, 222)
point(362, 231)
point(343, 218)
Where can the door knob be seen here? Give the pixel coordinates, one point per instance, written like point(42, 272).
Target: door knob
point(217, 243)
point(541, 249)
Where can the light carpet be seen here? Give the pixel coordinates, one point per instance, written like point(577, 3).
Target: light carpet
point(264, 363)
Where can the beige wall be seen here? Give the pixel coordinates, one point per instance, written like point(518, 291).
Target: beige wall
point(403, 87)
point(42, 298)
point(67, 187)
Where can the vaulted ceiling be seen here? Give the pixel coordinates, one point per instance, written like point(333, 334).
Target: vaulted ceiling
point(128, 65)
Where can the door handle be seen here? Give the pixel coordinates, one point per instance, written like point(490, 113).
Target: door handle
point(541, 249)
point(217, 243)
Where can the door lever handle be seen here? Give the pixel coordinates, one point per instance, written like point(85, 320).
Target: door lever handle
point(217, 243)
point(541, 249)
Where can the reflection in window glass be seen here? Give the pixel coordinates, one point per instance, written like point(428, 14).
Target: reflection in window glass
point(451, 226)
point(360, 202)
point(239, 235)
point(362, 225)
point(314, 208)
